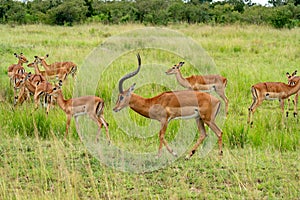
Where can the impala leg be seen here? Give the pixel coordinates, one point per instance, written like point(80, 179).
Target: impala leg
point(27, 95)
point(162, 140)
point(36, 98)
point(250, 110)
point(99, 124)
point(48, 103)
point(21, 97)
point(296, 104)
point(78, 128)
point(256, 102)
point(289, 104)
point(15, 96)
point(221, 93)
point(100, 121)
point(202, 136)
point(282, 111)
point(67, 125)
point(106, 128)
point(218, 132)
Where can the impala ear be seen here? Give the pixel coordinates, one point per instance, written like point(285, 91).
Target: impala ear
point(131, 88)
point(60, 83)
point(294, 73)
point(180, 64)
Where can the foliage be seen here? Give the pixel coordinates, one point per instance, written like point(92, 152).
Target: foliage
point(68, 12)
point(155, 12)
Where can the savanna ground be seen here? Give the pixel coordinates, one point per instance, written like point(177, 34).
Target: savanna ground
point(261, 162)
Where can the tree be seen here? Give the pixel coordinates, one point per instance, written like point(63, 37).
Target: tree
point(13, 12)
point(277, 3)
point(68, 12)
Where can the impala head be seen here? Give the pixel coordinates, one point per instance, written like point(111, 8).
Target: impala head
point(38, 59)
point(56, 89)
point(42, 57)
point(124, 96)
point(292, 79)
point(175, 69)
point(35, 62)
point(21, 57)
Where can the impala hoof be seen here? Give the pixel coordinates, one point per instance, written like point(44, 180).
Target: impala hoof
point(158, 156)
point(295, 114)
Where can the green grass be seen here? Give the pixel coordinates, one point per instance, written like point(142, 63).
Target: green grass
point(258, 162)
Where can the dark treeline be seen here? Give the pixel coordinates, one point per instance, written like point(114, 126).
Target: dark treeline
point(281, 13)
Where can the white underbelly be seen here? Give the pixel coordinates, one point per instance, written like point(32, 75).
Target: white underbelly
point(79, 110)
point(271, 96)
point(184, 113)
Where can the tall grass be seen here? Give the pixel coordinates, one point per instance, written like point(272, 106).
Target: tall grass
point(258, 162)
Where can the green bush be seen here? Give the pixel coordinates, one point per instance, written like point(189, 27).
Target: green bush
point(281, 17)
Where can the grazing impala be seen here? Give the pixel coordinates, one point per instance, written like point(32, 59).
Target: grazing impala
point(271, 91)
point(205, 83)
point(60, 74)
point(69, 66)
point(92, 106)
point(17, 68)
point(173, 105)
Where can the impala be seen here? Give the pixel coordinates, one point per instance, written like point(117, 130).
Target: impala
point(41, 90)
point(271, 91)
point(69, 66)
point(27, 84)
point(60, 74)
point(172, 105)
point(92, 106)
point(291, 81)
point(17, 68)
point(205, 83)
point(18, 79)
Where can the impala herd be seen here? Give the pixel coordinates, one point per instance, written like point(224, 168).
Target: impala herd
point(195, 102)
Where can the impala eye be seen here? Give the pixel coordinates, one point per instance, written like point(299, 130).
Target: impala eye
point(121, 98)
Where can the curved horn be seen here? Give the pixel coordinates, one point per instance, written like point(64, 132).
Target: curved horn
point(131, 74)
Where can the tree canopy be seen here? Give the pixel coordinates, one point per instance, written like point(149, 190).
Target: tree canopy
point(280, 13)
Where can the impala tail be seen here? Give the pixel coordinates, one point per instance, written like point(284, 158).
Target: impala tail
point(99, 112)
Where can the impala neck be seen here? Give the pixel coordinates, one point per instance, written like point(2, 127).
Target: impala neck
point(61, 101)
point(31, 87)
point(36, 69)
point(293, 89)
point(140, 105)
point(20, 63)
point(182, 81)
point(44, 63)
